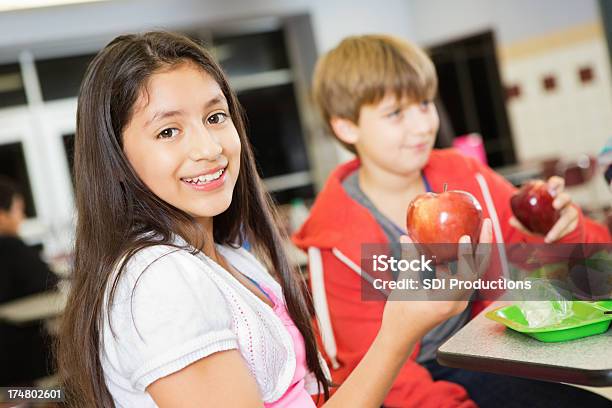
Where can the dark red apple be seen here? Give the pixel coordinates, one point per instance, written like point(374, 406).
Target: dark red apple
point(443, 219)
point(532, 206)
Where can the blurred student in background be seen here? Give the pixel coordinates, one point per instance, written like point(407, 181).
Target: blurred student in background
point(24, 349)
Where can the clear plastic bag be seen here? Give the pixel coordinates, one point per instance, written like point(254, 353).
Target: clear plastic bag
point(550, 308)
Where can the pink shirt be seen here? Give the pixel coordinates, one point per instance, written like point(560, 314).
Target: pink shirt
point(296, 395)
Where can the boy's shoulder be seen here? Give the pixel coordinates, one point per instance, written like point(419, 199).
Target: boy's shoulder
point(335, 215)
point(447, 157)
point(448, 161)
point(450, 166)
point(444, 160)
point(451, 158)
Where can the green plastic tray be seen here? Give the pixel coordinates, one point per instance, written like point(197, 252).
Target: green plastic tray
point(588, 319)
point(606, 304)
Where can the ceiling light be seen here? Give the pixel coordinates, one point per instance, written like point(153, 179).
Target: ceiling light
point(9, 5)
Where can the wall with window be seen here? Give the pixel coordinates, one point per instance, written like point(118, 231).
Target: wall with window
point(268, 48)
point(555, 69)
point(332, 20)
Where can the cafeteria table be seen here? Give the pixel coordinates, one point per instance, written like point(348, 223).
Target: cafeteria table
point(40, 306)
point(485, 345)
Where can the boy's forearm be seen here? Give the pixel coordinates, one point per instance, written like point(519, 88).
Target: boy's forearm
point(370, 382)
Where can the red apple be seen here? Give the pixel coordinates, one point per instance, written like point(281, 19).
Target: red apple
point(532, 206)
point(443, 219)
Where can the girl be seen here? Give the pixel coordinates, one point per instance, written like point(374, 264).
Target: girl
point(166, 308)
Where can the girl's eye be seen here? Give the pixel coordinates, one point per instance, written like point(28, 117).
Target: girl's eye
point(167, 133)
point(425, 104)
point(217, 118)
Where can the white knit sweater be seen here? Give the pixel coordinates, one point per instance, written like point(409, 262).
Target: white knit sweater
point(185, 307)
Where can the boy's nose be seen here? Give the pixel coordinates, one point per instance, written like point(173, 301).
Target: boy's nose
point(204, 146)
point(420, 127)
point(419, 123)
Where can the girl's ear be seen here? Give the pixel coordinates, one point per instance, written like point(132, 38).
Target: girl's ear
point(344, 129)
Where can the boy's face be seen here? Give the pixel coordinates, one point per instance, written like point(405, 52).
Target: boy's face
point(182, 143)
point(396, 135)
point(11, 220)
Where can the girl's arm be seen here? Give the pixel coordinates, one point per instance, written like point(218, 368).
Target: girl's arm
point(223, 379)
point(404, 323)
point(370, 382)
point(220, 380)
point(413, 385)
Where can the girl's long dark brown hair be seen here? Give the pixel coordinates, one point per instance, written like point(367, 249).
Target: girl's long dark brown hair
point(116, 212)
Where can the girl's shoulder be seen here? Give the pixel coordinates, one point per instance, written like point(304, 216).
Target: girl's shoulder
point(154, 252)
point(168, 310)
point(249, 265)
point(148, 256)
point(156, 267)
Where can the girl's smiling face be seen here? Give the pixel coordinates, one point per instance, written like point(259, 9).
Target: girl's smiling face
point(182, 143)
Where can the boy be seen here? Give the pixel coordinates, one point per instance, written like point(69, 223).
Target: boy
point(375, 93)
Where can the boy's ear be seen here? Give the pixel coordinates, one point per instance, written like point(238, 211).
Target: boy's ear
point(344, 129)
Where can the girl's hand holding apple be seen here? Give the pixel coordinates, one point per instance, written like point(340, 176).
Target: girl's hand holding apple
point(409, 316)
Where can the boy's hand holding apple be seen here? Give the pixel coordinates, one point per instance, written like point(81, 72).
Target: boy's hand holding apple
point(544, 208)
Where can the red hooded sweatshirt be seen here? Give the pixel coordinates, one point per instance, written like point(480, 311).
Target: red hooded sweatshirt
point(332, 236)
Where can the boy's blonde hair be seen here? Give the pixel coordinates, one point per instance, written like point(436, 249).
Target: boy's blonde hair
point(361, 70)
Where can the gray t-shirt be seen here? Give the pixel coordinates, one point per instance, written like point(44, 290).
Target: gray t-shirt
point(439, 334)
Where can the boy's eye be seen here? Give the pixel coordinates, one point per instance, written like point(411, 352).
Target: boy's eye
point(395, 113)
point(217, 118)
point(168, 133)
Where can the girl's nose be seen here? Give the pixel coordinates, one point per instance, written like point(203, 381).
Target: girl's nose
point(204, 146)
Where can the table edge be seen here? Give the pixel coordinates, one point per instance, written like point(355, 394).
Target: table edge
point(536, 371)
